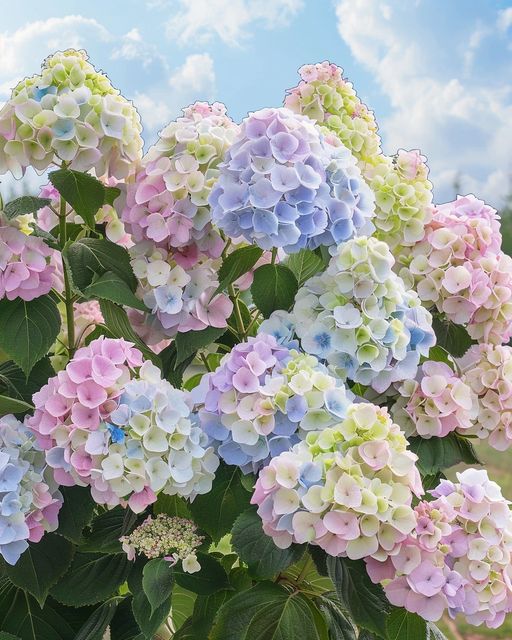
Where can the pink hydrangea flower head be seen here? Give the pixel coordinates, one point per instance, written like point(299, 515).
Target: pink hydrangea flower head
point(487, 370)
point(168, 202)
point(69, 112)
point(25, 268)
point(347, 488)
point(435, 403)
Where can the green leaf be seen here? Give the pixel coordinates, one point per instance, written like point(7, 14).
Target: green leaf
point(170, 370)
point(91, 578)
point(95, 626)
point(182, 605)
point(236, 264)
point(23, 205)
point(111, 195)
point(190, 342)
point(157, 582)
point(82, 191)
point(123, 625)
point(274, 287)
point(453, 337)
point(436, 454)
point(76, 512)
point(257, 550)
point(304, 265)
point(434, 633)
point(119, 326)
point(91, 257)
point(172, 506)
point(111, 287)
point(28, 329)
point(41, 565)
point(216, 511)
point(340, 627)
point(48, 238)
point(12, 405)
point(148, 620)
point(265, 612)
point(200, 622)
point(8, 636)
point(15, 384)
point(21, 615)
point(106, 529)
point(211, 578)
point(364, 600)
point(440, 354)
point(403, 625)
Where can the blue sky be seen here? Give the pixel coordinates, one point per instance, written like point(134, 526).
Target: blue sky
point(437, 73)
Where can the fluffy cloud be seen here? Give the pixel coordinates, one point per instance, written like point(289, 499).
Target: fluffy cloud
point(460, 123)
point(133, 47)
point(229, 20)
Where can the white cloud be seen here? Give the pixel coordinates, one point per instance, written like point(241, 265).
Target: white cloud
point(133, 47)
point(504, 19)
point(461, 125)
point(36, 40)
point(229, 20)
point(194, 80)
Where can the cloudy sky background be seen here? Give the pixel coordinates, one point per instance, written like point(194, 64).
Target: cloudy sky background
point(437, 73)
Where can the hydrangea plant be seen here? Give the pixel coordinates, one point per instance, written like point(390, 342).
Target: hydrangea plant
point(236, 373)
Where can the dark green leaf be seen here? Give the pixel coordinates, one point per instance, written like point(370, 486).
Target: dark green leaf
point(8, 636)
point(211, 578)
point(91, 257)
point(216, 511)
point(111, 194)
point(12, 405)
point(24, 205)
point(453, 337)
point(265, 612)
point(148, 620)
point(111, 287)
point(21, 615)
point(95, 626)
point(91, 578)
point(41, 565)
point(172, 506)
point(364, 600)
point(123, 625)
point(82, 191)
point(340, 627)
point(440, 354)
point(403, 625)
point(119, 326)
point(157, 582)
point(190, 342)
point(304, 265)
point(205, 610)
point(257, 550)
point(76, 512)
point(274, 287)
point(48, 238)
point(236, 264)
point(28, 329)
point(170, 370)
point(436, 454)
point(15, 384)
point(106, 529)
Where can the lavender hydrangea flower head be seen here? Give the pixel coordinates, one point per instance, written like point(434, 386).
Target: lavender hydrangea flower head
point(282, 185)
point(168, 202)
point(29, 499)
point(69, 113)
point(263, 398)
point(359, 318)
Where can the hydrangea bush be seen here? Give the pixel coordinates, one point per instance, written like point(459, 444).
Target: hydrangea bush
point(236, 373)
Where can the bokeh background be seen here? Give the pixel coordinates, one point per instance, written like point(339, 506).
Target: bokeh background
point(437, 73)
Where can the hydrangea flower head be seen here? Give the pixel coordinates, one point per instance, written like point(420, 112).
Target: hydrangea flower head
point(263, 398)
point(128, 435)
point(168, 202)
point(487, 370)
point(282, 185)
point(435, 403)
point(457, 558)
point(172, 538)
point(460, 269)
point(29, 499)
point(69, 113)
point(403, 198)
point(327, 98)
point(347, 488)
point(25, 268)
point(178, 291)
point(358, 316)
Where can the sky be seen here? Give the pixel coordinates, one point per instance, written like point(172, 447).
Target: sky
point(437, 73)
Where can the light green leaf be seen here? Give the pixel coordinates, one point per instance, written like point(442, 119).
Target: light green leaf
point(12, 405)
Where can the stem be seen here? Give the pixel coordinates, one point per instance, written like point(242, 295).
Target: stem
point(238, 314)
point(251, 324)
point(205, 361)
point(68, 294)
point(274, 255)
